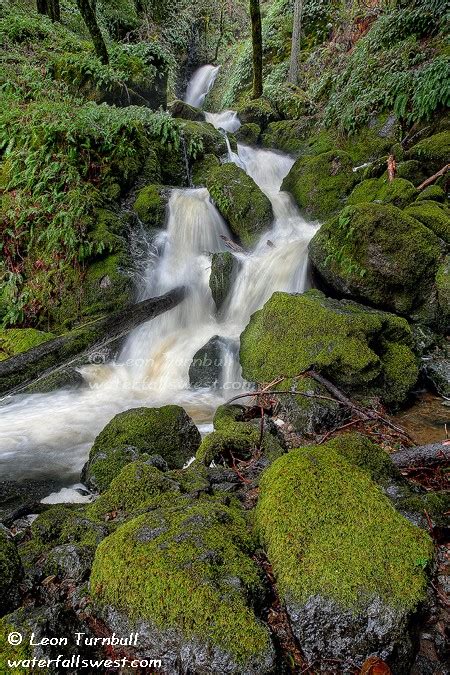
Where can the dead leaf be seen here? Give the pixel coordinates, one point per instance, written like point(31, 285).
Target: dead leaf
point(375, 666)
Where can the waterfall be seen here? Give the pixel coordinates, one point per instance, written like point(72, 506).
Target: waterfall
point(200, 84)
point(49, 435)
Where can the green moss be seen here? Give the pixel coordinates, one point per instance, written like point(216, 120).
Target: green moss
point(320, 184)
point(48, 526)
point(202, 138)
point(17, 340)
point(289, 136)
point(151, 171)
point(398, 277)
point(347, 342)
point(433, 192)
point(410, 170)
point(258, 111)
point(137, 487)
point(105, 233)
point(400, 371)
point(443, 292)
point(150, 205)
point(166, 431)
point(202, 167)
point(433, 216)
point(399, 192)
point(360, 451)
point(10, 572)
point(329, 531)
point(233, 437)
point(193, 559)
point(107, 287)
point(436, 504)
point(248, 133)
point(432, 152)
point(12, 652)
point(240, 201)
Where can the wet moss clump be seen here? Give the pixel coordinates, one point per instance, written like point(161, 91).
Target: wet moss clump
point(243, 205)
point(166, 431)
point(329, 531)
point(380, 254)
point(366, 351)
point(399, 192)
point(195, 575)
point(432, 152)
point(17, 340)
point(320, 183)
point(259, 111)
point(137, 487)
point(433, 215)
point(11, 573)
point(150, 205)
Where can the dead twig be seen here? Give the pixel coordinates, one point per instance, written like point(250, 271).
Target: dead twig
point(437, 175)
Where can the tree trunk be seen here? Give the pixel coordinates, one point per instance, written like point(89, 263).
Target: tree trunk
point(255, 15)
point(47, 365)
point(50, 8)
point(295, 45)
point(219, 39)
point(88, 13)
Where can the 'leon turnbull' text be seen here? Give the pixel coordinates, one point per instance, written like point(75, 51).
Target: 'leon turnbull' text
point(82, 639)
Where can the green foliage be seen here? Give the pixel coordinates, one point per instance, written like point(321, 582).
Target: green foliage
point(329, 531)
point(16, 340)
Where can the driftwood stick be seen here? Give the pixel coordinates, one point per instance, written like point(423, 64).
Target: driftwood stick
point(431, 180)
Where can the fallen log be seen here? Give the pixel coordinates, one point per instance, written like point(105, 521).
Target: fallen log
point(434, 454)
point(51, 358)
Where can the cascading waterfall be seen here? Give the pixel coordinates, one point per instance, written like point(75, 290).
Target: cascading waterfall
point(200, 84)
point(49, 435)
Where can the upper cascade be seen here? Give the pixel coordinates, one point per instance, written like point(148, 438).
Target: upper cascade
point(200, 84)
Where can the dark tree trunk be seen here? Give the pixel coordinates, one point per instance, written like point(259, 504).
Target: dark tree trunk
point(219, 39)
point(295, 46)
point(255, 15)
point(49, 7)
point(89, 18)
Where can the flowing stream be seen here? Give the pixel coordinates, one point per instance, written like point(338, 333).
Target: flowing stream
point(49, 435)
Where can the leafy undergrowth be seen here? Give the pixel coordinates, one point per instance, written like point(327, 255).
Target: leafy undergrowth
point(62, 154)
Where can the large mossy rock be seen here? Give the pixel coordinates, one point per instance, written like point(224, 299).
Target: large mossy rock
point(16, 340)
point(166, 431)
point(11, 573)
point(432, 152)
point(258, 111)
point(433, 215)
point(399, 192)
point(364, 351)
point(349, 568)
point(224, 269)
point(182, 577)
point(243, 205)
point(150, 205)
point(185, 111)
point(379, 254)
point(287, 135)
point(320, 184)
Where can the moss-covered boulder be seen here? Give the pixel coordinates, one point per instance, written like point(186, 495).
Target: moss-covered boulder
point(138, 487)
point(320, 184)
point(187, 112)
point(224, 269)
point(234, 437)
point(201, 138)
point(258, 111)
point(349, 568)
point(399, 192)
point(364, 351)
point(107, 285)
point(166, 431)
point(244, 206)
point(433, 193)
point(442, 282)
point(379, 254)
point(248, 133)
point(182, 577)
point(16, 340)
point(287, 135)
point(150, 205)
point(432, 152)
point(11, 573)
point(201, 168)
point(433, 215)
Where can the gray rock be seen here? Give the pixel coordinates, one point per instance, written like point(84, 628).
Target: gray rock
point(181, 655)
point(18, 499)
point(206, 366)
point(224, 269)
point(436, 371)
point(326, 632)
point(70, 561)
